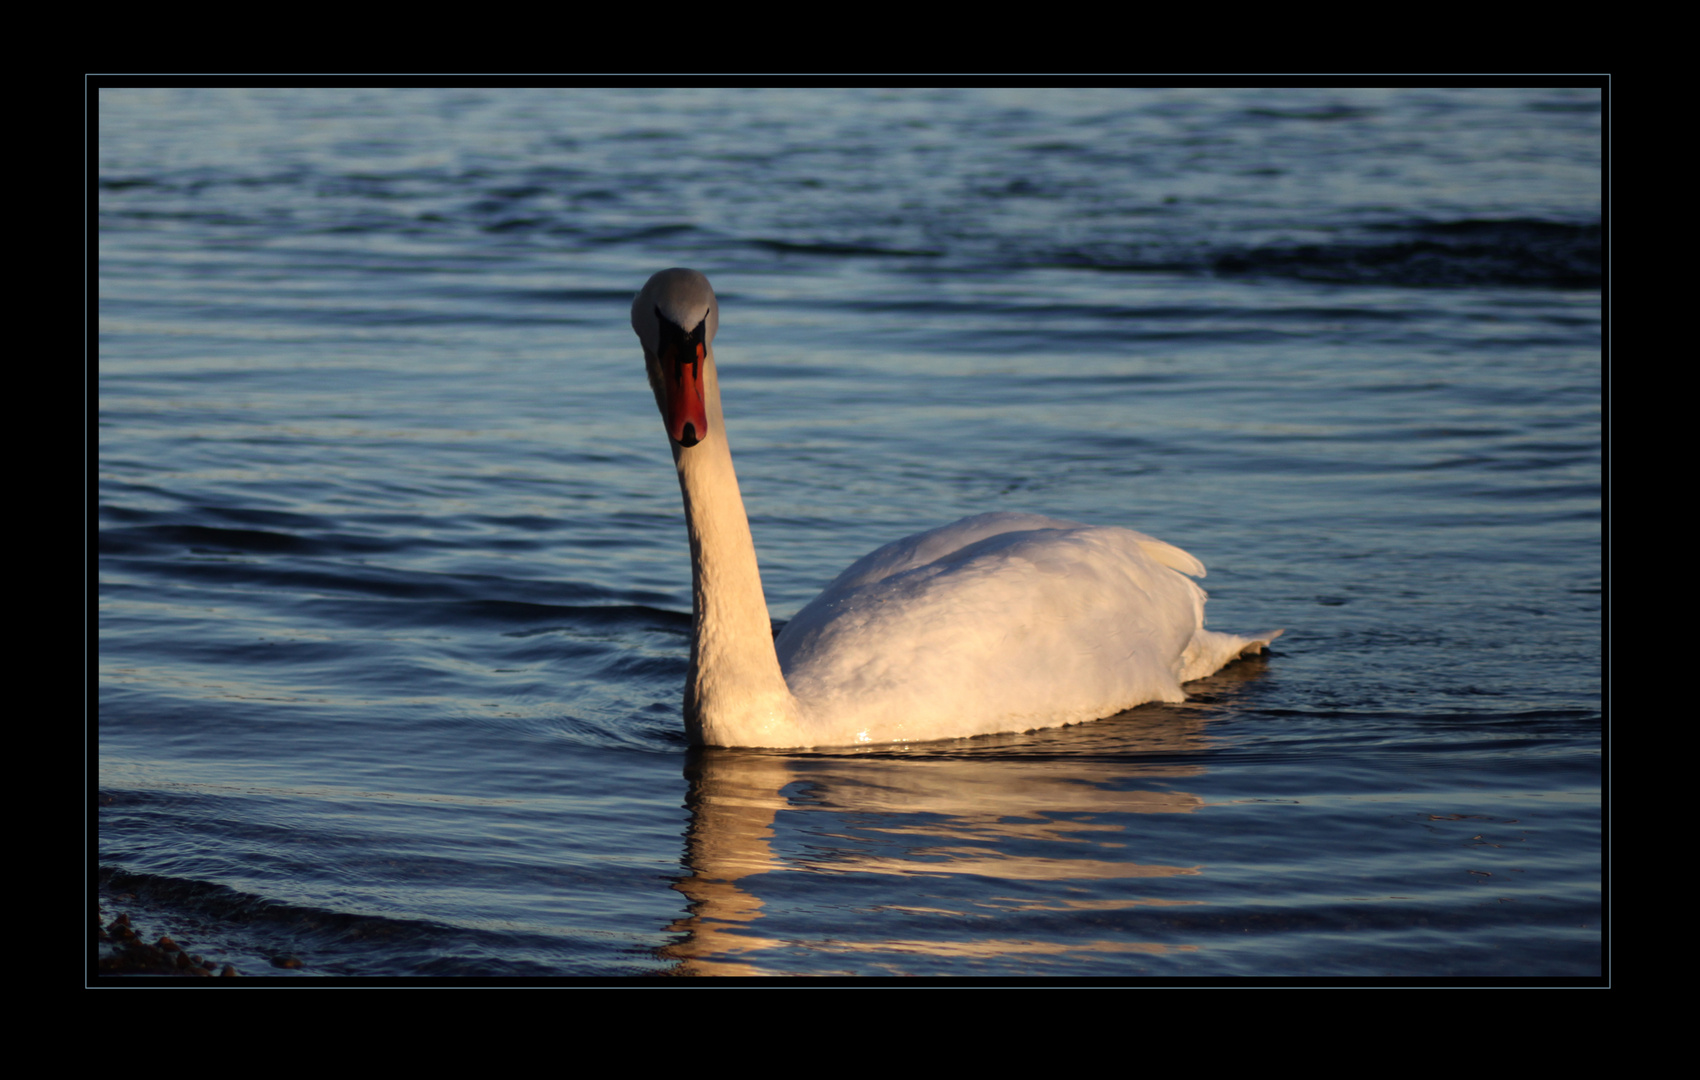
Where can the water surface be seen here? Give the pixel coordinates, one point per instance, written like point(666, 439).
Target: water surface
point(393, 587)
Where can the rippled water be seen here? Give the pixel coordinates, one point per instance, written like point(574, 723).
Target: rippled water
point(393, 587)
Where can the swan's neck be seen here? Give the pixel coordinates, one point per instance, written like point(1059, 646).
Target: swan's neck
point(736, 694)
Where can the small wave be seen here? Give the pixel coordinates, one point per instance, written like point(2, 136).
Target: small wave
point(1473, 251)
point(263, 937)
point(827, 247)
point(1469, 252)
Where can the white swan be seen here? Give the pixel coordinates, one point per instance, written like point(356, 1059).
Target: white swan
point(1001, 622)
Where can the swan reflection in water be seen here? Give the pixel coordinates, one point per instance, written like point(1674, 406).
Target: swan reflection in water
point(1050, 813)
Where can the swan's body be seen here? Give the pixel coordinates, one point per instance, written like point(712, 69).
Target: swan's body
point(1000, 622)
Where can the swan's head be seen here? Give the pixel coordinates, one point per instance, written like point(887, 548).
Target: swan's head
point(675, 317)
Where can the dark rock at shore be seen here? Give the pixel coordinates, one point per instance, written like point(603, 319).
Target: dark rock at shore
point(121, 951)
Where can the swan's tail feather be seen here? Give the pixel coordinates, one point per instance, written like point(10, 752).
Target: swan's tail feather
point(1258, 642)
point(1209, 651)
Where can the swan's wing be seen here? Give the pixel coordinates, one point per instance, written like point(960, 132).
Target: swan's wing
point(1168, 554)
point(1033, 624)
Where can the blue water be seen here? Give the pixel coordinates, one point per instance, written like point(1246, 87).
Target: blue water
point(394, 595)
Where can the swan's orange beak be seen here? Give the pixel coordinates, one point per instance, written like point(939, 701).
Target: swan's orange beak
point(686, 412)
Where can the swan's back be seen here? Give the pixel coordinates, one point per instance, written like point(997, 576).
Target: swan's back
point(1000, 622)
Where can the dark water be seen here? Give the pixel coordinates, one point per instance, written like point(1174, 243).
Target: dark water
point(393, 587)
